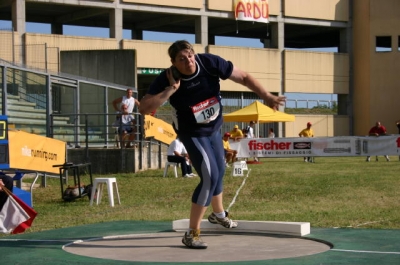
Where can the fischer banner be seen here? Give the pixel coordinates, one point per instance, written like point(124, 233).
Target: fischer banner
point(319, 146)
point(251, 10)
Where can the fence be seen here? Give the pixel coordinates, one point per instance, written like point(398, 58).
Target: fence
point(94, 138)
point(92, 130)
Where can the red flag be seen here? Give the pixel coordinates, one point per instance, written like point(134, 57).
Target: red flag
point(16, 216)
point(30, 212)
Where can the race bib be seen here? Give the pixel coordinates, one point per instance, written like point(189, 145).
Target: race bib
point(206, 111)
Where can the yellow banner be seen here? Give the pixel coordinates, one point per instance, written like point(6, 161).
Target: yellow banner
point(251, 10)
point(33, 152)
point(158, 129)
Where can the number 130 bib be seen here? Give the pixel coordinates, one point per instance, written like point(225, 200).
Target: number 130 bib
point(206, 111)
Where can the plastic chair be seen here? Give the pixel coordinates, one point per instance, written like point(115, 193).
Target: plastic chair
point(172, 164)
point(98, 186)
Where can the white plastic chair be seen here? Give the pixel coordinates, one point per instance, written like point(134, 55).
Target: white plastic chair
point(98, 185)
point(173, 165)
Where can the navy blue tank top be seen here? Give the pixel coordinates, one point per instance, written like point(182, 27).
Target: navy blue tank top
point(201, 88)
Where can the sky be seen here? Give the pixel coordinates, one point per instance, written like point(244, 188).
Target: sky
point(303, 99)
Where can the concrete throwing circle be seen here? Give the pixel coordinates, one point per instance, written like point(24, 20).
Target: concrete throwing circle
point(222, 247)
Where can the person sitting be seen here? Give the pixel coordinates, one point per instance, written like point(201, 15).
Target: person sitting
point(230, 154)
point(236, 134)
point(125, 124)
point(177, 153)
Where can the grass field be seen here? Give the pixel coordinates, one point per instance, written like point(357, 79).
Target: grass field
point(333, 192)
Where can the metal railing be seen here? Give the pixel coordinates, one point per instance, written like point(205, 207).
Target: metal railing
point(91, 130)
point(310, 103)
point(27, 86)
point(99, 130)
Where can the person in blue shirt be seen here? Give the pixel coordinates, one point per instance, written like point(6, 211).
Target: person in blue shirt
point(192, 86)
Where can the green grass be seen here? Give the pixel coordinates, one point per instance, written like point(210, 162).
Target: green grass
point(333, 192)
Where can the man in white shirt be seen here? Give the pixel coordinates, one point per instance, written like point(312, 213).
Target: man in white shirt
point(250, 134)
point(128, 100)
point(177, 153)
point(250, 130)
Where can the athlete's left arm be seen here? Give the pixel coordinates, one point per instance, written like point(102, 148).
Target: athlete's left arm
point(244, 78)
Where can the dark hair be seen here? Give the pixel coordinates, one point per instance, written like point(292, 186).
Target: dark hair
point(178, 46)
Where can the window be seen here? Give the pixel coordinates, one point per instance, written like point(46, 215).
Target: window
point(383, 44)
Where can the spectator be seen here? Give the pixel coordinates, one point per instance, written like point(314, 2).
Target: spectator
point(377, 130)
point(307, 132)
point(230, 154)
point(250, 134)
point(194, 94)
point(8, 182)
point(128, 100)
point(177, 153)
point(271, 133)
point(236, 134)
point(250, 130)
point(126, 127)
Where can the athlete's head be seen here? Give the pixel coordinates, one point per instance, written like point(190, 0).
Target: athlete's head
point(182, 57)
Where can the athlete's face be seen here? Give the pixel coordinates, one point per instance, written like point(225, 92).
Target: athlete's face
point(185, 62)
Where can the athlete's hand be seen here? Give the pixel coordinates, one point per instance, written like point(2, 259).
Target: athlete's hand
point(275, 101)
point(174, 83)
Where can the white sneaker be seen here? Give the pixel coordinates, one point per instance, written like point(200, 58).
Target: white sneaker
point(368, 159)
point(225, 222)
point(188, 176)
point(227, 165)
point(193, 175)
point(387, 158)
